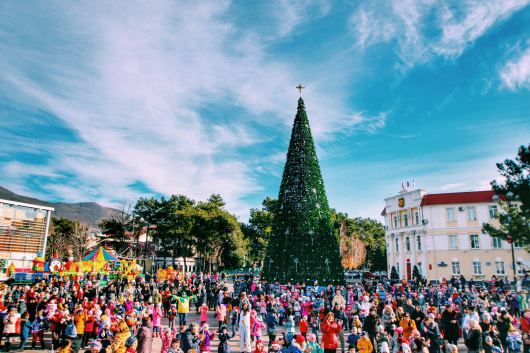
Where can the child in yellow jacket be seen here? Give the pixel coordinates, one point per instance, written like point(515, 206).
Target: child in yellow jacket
point(364, 345)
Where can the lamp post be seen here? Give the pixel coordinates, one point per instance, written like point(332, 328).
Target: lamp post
point(139, 221)
point(509, 198)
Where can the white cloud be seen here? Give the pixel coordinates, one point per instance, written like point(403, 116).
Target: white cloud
point(141, 85)
point(454, 186)
point(425, 29)
point(516, 73)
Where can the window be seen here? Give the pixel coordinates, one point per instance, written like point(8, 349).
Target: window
point(416, 218)
point(477, 268)
point(493, 212)
point(397, 268)
point(395, 222)
point(419, 268)
point(474, 241)
point(497, 243)
point(407, 242)
point(499, 266)
point(517, 244)
point(450, 212)
point(453, 241)
point(520, 269)
point(418, 242)
point(456, 268)
point(397, 245)
point(471, 213)
point(405, 220)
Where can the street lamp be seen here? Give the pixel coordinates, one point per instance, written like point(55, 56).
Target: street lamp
point(509, 198)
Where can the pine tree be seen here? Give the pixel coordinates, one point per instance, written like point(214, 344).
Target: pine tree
point(416, 273)
point(394, 274)
point(303, 247)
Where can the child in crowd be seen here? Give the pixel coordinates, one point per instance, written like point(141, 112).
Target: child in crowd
point(313, 344)
point(381, 336)
point(224, 337)
point(303, 326)
point(353, 338)
point(290, 324)
point(208, 337)
point(514, 341)
point(203, 309)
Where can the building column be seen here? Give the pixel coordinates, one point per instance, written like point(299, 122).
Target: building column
point(402, 269)
point(412, 249)
point(424, 265)
point(390, 249)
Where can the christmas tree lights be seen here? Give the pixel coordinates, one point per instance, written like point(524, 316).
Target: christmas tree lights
point(303, 246)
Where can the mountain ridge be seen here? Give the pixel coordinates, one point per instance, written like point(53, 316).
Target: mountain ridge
point(90, 213)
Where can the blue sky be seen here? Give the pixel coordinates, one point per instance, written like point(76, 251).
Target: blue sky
point(113, 101)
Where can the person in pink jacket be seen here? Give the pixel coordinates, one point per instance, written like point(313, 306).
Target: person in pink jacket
point(256, 324)
point(204, 313)
point(221, 315)
point(157, 319)
point(167, 338)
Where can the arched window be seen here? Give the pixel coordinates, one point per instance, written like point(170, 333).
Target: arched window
point(397, 245)
point(417, 218)
point(407, 243)
point(418, 242)
point(395, 222)
point(405, 220)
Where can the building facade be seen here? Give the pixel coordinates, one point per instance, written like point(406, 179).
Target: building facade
point(23, 234)
point(442, 235)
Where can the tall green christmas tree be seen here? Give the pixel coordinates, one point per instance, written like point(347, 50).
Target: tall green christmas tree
point(303, 246)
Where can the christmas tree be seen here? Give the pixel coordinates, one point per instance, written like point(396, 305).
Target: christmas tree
point(394, 274)
point(303, 247)
point(416, 273)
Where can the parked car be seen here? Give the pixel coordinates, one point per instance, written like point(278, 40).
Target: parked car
point(368, 274)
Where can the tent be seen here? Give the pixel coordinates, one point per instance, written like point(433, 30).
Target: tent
point(101, 257)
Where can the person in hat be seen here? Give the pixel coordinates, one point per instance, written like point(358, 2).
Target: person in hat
point(183, 308)
point(275, 347)
point(95, 347)
point(26, 325)
point(131, 344)
point(71, 334)
point(381, 336)
point(260, 347)
point(353, 338)
point(224, 337)
point(10, 328)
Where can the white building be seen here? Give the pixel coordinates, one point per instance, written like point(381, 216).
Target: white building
point(23, 234)
point(442, 235)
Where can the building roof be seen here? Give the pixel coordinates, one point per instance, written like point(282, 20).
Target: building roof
point(459, 198)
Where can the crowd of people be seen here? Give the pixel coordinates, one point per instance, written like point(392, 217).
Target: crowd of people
point(369, 317)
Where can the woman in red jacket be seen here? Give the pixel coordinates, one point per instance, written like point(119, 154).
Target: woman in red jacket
point(330, 329)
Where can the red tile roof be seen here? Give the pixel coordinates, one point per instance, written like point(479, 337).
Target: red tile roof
point(384, 212)
point(459, 198)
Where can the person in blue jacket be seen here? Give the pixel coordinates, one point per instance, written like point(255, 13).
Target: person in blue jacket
point(25, 328)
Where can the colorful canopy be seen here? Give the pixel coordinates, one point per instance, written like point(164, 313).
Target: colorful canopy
point(100, 256)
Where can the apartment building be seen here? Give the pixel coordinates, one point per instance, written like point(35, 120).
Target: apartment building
point(442, 235)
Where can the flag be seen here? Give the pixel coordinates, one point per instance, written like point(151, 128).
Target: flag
point(403, 186)
point(408, 184)
point(413, 184)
